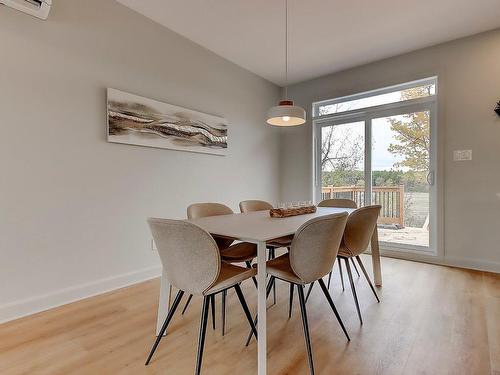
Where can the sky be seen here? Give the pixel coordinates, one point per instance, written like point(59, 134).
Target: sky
point(382, 137)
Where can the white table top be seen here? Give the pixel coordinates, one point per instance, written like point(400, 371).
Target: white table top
point(259, 226)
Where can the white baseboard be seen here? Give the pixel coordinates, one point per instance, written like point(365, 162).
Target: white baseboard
point(28, 306)
point(473, 264)
point(460, 262)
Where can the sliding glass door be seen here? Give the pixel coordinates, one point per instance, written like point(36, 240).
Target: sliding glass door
point(383, 155)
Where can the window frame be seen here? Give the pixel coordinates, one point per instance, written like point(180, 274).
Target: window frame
point(366, 94)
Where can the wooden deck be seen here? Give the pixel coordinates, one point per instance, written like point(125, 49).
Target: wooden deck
point(432, 320)
point(407, 235)
point(391, 198)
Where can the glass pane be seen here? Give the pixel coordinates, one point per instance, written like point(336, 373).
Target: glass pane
point(343, 162)
point(400, 165)
point(372, 101)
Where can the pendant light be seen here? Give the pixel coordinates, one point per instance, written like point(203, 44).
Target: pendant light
point(285, 113)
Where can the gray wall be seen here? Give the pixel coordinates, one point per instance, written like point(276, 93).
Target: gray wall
point(73, 207)
point(469, 85)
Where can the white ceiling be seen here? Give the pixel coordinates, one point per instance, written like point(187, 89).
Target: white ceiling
point(325, 36)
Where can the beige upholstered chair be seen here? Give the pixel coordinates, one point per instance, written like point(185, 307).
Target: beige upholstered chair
point(339, 203)
point(242, 252)
point(256, 205)
point(192, 261)
point(311, 257)
point(238, 253)
point(357, 235)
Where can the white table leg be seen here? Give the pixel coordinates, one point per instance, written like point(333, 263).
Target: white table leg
point(164, 301)
point(377, 269)
point(261, 309)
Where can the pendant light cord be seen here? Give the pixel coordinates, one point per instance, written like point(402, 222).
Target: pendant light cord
point(286, 49)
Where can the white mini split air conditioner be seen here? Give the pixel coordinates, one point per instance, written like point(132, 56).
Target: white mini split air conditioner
point(36, 8)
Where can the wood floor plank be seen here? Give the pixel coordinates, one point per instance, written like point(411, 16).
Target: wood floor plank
point(432, 320)
point(491, 292)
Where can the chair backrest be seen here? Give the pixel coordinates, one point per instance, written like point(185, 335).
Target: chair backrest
point(254, 205)
point(359, 228)
point(315, 246)
point(188, 254)
point(198, 210)
point(337, 202)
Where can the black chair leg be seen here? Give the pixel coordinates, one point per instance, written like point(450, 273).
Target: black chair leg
point(329, 279)
point(270, 284)
point(187, 304)
point(330, 301)
point(249, 265)
point(305, 323)
point(203, 331)
point(291, 300)
point(367, 277)
point(355, 268)
point(341, 274)
point(349, 273)
point(224, 296)
point(309, 291)
point(273, 254)
point(212, 305)
point(245, 308)
point(170, 314)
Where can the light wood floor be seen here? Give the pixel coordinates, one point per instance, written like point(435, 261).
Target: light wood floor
point(432, 320)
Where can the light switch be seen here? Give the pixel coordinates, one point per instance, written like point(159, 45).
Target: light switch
point(461, 155)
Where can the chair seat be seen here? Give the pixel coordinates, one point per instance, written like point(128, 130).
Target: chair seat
point(280, 267)
point(344, 252)
point(229, 276)
point(240, 252)
point(284, 241)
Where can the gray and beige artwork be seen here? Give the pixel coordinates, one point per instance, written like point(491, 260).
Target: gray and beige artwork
point(141, 121)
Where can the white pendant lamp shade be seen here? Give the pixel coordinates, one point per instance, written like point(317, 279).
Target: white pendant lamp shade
point(286, 114)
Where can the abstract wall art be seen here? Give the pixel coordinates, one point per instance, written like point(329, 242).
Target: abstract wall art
point(140, 121)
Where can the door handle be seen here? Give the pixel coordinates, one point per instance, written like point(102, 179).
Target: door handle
point(430, 178)
point(316, 169)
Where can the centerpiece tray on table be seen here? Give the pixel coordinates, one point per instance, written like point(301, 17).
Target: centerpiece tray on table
point(294, 211)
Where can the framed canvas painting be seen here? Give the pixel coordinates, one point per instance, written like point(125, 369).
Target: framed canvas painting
point(140, 121)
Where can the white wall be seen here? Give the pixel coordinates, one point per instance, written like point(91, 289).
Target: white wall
point(469, 85)
point(73, 207)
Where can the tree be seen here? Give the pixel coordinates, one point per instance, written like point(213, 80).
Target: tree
point(413, 134)
point(341, 154)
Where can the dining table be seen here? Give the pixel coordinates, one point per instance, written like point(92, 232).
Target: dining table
point(259, 228)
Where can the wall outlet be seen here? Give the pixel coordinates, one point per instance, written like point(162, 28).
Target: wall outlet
point(461, 155)
point(153, 245)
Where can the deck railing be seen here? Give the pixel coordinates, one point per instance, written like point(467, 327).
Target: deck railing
point(391, 198)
